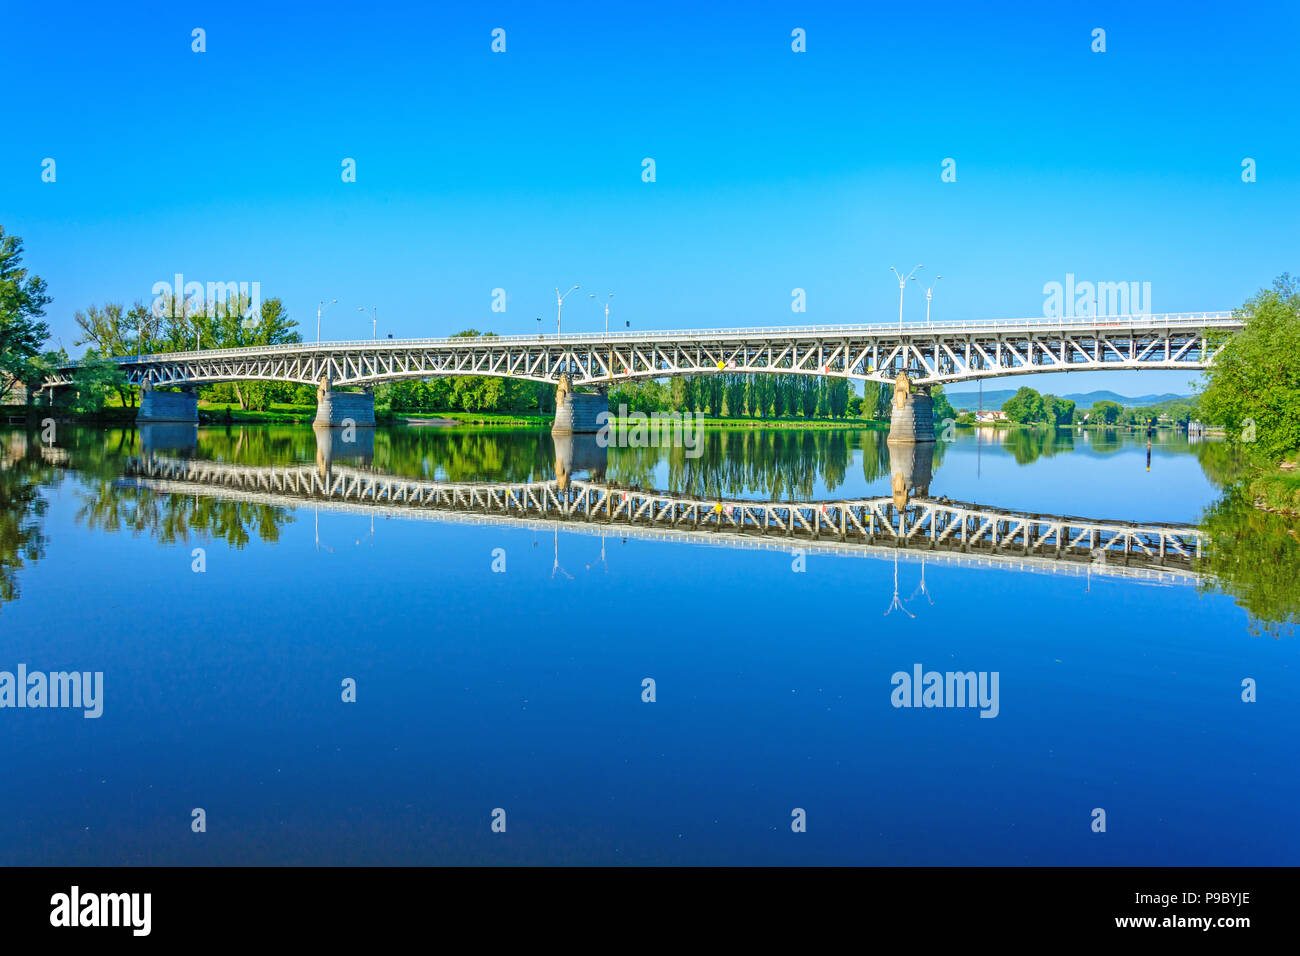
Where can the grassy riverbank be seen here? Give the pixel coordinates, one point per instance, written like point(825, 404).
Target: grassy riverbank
point(1275, 489)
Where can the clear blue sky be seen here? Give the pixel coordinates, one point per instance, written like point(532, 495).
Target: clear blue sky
point(775, 170)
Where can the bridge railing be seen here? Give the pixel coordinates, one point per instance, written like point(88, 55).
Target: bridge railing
point(1154, 322)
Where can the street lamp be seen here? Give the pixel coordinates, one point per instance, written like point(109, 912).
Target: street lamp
point(611, 295)
point(374, 322)
point(929, 292)
point(902, 284)
point(559, 305)
point(319, 309)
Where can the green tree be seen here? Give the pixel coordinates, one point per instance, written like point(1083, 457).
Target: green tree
point(22, 304)
point(94, 379)
point(1059, 411)
point(1255, 379)
point(1024, 406)
point(1104, 413)
point(941, 408)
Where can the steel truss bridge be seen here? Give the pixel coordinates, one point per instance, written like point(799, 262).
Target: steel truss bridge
point(936, 529)
point(929, 354)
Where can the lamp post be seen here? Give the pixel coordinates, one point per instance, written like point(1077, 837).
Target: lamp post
point(929, 292)
point(611, 295)
point(902, 284)
point(610, 345)
point(374, 320)
point(559, 305)
point(319, 309)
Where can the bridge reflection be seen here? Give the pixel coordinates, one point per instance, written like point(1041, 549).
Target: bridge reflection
point(908, 524)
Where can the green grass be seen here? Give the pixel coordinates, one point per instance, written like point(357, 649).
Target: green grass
point(778, 423)
point(482, 418)
point(278, 413)
point(1276, 490)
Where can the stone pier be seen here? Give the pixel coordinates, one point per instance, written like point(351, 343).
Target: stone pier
point(343, 408)
point(156, 406)
point(912, 415)
point(575, 412)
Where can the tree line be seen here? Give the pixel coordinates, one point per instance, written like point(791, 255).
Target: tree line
point(1027, 406)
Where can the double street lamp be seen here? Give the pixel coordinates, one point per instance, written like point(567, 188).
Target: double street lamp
point(610, 296)
point(559, 305)
point(928, 293)
point(374, 321)
point(902, 284)
point(319, 309)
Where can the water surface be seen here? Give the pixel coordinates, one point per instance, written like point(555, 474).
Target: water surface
point(1120, 677)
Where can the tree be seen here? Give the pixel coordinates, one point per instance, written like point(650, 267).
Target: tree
point(95, 377)
point(1255, 379)
point(22, 304)
point(1105, 413)
point(941, 408)
point(107, 331)
point(1059, 411)
point(876, 397)
point(1024, 406)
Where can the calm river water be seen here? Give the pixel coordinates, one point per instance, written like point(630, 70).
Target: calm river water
point(234, 585)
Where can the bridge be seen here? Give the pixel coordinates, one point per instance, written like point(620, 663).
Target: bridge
point(911, 357)
point(936, 529)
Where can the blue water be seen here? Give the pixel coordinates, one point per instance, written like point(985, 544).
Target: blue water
point(522, 690)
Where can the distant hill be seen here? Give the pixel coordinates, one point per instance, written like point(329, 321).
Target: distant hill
point(993, 398)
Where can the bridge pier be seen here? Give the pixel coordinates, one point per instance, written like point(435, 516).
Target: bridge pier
point(575, 412)
point(912, 414)
point(156, 406)
point(343, 408)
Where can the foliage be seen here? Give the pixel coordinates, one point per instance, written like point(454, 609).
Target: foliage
point(1254, 556)
point(95, 378)
point(1105, 413)
point(22, 304)
point(1025, 406)
point(941, 408)
point(1253, 387)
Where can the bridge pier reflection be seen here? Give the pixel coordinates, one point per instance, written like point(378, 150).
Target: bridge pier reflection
point(344, 444)
point(911, 468)
point(578, 453)
point(168, 436)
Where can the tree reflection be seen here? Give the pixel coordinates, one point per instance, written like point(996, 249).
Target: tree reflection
point(25, 470)
point(1253, 556)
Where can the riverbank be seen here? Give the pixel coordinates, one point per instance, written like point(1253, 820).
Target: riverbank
point(216, 413)
point(1276, 489)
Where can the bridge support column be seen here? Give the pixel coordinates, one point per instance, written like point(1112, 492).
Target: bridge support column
point(156, 406)
point(344, 408)
point(575, 412)
point(912, 415)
